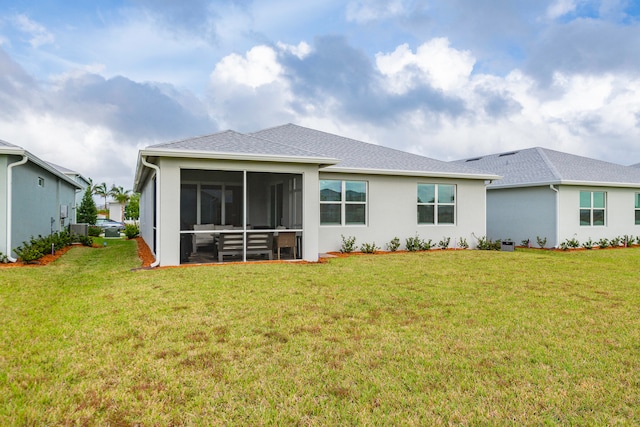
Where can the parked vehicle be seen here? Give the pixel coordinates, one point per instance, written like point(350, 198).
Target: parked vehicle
point(105, 223)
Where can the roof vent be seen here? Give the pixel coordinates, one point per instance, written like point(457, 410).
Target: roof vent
point(508, 154)
point(473, 160)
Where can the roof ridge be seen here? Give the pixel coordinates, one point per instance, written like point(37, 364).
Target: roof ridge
point(549, 163)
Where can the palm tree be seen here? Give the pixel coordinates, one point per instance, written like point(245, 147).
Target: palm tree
point(101, 190)
point(121, 196)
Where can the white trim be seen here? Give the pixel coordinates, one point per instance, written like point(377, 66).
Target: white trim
point(401, 172)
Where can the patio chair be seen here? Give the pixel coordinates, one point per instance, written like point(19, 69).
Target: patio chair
point(286, 239)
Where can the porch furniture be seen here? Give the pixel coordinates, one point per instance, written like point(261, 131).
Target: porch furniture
point(232, 244)
point(286, 239)
point(202, 239)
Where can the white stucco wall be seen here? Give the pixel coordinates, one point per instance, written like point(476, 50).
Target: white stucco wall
point(392, 212)
point(522, 213)
point(620, 214)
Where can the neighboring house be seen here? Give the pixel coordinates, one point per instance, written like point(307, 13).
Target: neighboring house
point(35, 197)
point(80, 180)
point(558, 196)
point(314, 184)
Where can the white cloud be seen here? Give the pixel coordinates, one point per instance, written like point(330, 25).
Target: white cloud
point(362, 11)
point(560, 8)
point(39, 34)
point(257, 68)
point(301, 51)
point(435, 61)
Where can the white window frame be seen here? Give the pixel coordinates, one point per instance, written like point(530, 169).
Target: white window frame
point(591, 209)
point(343, 202)
point(436, 204)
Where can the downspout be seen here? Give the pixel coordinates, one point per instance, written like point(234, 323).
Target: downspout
point(9, 202)
point(553, 188)
point(157, 209)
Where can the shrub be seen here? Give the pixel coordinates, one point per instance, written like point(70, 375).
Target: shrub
point(394, 244)
point(603, 243)
point(348, 244)
point(37, 247)
point(615, 242)
point(444, 243)
point(85, 240)
point(425, 245)
point(131, 230)
point(3, 258)
point(28, 253)
point(525, 243)
point(369, 248)
point(463, 243)
point(588, 244)
point(485, 244)
point(94, 231)
point(569, 243)
point(627, 240)
point(413, 243)
point(542, 241)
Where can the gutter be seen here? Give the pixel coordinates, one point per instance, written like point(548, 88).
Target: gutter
point(157, 209)
point(9, 201)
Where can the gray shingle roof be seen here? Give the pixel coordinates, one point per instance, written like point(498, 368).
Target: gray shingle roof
point(354, 154)
point(8, 145)
point(541, 166)
point(236, 143)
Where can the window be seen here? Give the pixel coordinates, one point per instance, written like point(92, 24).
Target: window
point(637, 208)
point(436, 204)
point(40, 182)
point(592, 208)
point(343, 202)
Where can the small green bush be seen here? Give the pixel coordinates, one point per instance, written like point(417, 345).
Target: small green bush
point(348, 244)
point(462, 243)
point(85, 240)
point(588, 244)
point(615, 242)
point(603, 243)
point(413, 243)
point(444, 243)
point(394, 244)
point(131, 230)
point(3, 258)
point(94, 231)
point(369, 248)
point(570, 243)
point(485, 244)
point(542, 241)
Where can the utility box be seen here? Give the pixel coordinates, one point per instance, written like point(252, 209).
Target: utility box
point(79, 229)
point(507, 246)
point(111, 232)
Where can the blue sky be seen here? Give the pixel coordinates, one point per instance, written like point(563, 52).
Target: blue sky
point(86, 84)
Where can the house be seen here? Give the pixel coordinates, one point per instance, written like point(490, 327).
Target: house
point(289, 179)
point(81, 180)
point(558, 196)
point(35, 198)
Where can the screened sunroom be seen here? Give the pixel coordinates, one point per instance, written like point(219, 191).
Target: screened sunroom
point(239, 216)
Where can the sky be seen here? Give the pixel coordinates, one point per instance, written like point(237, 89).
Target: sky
point(87, 84)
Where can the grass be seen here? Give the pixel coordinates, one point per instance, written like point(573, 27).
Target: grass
point(466, 337)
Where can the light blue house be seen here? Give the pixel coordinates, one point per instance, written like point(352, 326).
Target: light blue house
point(558, 196)
point(35, 198)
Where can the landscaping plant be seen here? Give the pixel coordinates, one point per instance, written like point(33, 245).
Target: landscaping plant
point(348, 244)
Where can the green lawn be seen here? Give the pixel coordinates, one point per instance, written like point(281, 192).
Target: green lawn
point(465, 337)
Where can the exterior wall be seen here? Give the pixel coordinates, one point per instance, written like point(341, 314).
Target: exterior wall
point(522, 213)
point(620, 214)
point(115, 211)
point(392, 212)
point(170, 168)
point(35, 206)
